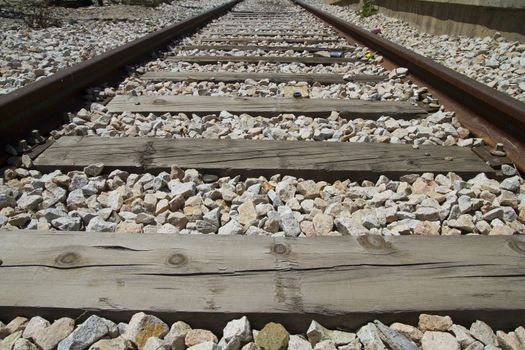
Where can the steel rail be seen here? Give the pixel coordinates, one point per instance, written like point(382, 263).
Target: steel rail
point(488, 113)
point(41, 105)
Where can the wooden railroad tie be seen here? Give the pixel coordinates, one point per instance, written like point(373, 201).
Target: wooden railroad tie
point(265, 106)
point(265, 48)
point(280, 33)
point(316, 160)
point(275, 77)
point(208, 280)
point(270, 40)
point(255, 59)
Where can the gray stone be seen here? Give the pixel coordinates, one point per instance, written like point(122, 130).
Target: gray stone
point(93, 170)
point(482, 332)
point(508, 170)
point(439, 341)
point(370, 338)
point(49, 337)
point(66, 223)
point(97, 224)
point(427, 213)
point(7, 197)
point(496, 213)
point(296, 342)
point(35, 325)
point(185, 189)
point(394, 339)
point(177, 334)
point(316, 332)
point(232, 227)
point(239, 328)
point(462, 335)
point(511, 184)
point(87, 333)
point(350, 226)
point(29, 202)
point(288, 222)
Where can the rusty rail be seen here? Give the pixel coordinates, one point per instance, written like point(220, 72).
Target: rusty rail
point(488, 113)
point(41, 105)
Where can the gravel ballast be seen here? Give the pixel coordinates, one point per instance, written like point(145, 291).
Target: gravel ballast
point(147, 332)
point(27, 55)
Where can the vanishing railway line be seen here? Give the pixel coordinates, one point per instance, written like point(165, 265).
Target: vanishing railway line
point(271, 120)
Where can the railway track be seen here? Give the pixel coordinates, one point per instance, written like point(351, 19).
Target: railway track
point(275, 168)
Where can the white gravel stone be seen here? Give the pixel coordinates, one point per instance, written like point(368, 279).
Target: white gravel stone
point(439, 341)
point(369, 337)
point(233, 227)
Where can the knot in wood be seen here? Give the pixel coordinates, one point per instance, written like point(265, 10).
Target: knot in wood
point(280, 248)
point(375, 242)
point(177, 260)
point(159, 101)
point(68, 258)
point(517, 245)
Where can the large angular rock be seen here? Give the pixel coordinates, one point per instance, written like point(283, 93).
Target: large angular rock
point(316, 333)
point(288, 222)
point(509, 341)
point(177, 334)
point(439, 341)
point(434, 322)
point(394, 339)
point(239, 328)
point(232, 227)
point(409, 331)
point(273, 337)
point(323, 223)
point(87, 333)
point(296, 342)
point(370, 338)
point(48, 338)
point(197, 336)
point(143, 326)
point(482, 332)
point(462, 335)
point(35, 325)
point(247, 213)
